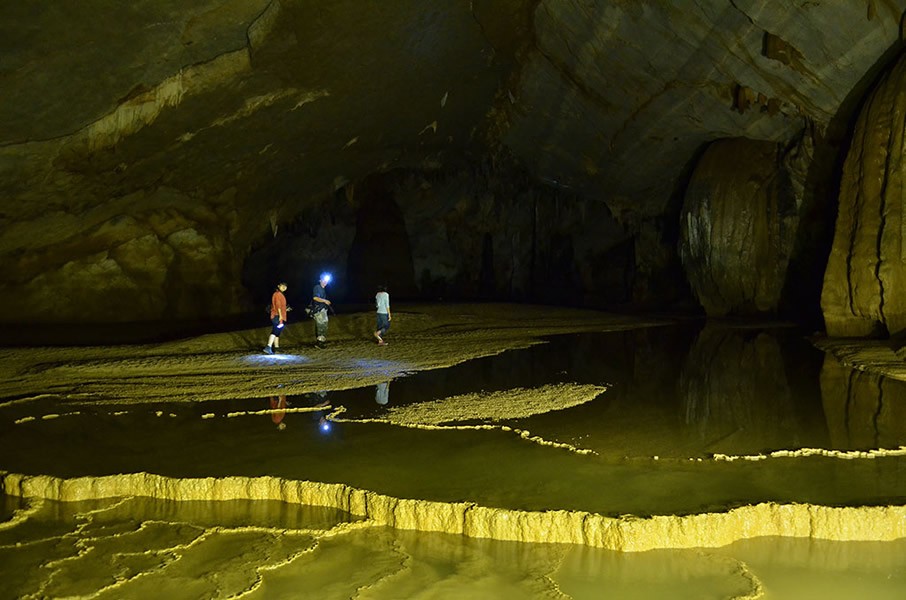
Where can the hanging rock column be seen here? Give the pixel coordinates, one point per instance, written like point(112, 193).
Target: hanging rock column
point(864, 290)
point(738, 227)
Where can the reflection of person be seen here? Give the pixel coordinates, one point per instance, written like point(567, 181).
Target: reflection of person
point(382, 304)
point(278, 408)
point(319, 400)
point(319, 306)
point(278, 318)
point(382, 393)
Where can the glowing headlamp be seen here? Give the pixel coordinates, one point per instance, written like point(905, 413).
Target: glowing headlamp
point(326, 277)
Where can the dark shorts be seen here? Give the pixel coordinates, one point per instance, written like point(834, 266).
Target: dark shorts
point(383, 321)
point(277, 329)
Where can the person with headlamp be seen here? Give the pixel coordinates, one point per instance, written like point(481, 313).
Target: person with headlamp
point(320, 305)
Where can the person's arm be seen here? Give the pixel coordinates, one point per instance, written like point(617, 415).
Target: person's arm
point(277, 305)
point(322, 300)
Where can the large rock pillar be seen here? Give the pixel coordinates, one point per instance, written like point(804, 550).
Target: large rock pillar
point(864, 290)
point(738, 227)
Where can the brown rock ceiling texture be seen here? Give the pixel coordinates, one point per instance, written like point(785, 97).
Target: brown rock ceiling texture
point(145, 147)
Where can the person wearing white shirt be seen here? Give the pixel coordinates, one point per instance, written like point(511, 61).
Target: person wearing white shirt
point(382, 303)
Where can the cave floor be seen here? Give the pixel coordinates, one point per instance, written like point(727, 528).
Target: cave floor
point(555, 440)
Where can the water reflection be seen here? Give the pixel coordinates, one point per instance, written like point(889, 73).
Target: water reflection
point(735, 394)
point(320, 417)
point(676, 392)
point(318, 399)
point(673, 393)
point(382, 393)
point(316, 407)
point(863, 410)
point(683, 391)
point(278, 406)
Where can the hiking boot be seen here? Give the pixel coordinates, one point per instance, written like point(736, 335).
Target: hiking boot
point(268, 350)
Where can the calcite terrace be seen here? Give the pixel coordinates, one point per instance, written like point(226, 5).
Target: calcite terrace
point(629, 534)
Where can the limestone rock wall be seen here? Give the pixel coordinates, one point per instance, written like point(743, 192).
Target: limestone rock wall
point(738, 227)
point(618, 96)
point(470, 233)
point(145, 256)
point(297, 251)
point(864, 288)
point(483, 234)
point(269, 106)
point(241, 114)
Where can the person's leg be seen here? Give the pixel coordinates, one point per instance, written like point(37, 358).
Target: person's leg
point(321, 326)
point(383, 324)
point(274, 337)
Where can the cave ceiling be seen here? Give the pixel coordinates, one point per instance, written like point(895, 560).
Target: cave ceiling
point(286, 98)
point(255, 106)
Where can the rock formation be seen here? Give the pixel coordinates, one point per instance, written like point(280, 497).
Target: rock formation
point(628, 534)
point(865, 282)
point(737, 227)
point(149, 152)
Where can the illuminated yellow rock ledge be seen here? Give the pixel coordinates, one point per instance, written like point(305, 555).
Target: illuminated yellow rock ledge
point(496, 406)
point(626, 533)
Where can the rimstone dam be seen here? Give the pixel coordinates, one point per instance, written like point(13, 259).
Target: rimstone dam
point(646, 266)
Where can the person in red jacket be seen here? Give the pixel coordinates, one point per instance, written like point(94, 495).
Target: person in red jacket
point(278, 318)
